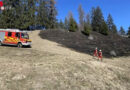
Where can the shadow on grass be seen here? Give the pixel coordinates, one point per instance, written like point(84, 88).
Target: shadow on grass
point(15, 46)
point(79, 42)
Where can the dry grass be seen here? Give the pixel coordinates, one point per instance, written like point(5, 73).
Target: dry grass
point(48, 66)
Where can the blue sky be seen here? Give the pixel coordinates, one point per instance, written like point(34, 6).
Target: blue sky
point(119, 9)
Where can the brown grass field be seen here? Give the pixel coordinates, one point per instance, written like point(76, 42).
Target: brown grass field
point(50, 66)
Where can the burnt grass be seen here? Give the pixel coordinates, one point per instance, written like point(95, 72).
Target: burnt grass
point(79, 42)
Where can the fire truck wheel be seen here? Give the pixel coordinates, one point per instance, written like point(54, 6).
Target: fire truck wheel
point(19, 45)
point(30, 46)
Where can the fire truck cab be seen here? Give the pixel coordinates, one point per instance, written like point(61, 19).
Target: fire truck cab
point(14, 37)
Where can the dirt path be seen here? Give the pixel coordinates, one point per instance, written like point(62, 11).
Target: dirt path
point(49, 66)
point(52, 47)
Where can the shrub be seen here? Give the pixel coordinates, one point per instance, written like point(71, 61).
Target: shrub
point(73, 25)
point(87, 29)
point(104, 28)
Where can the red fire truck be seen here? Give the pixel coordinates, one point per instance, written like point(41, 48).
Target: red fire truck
point(14, 37)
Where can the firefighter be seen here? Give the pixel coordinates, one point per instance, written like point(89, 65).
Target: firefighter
point(95, 53)
point(100, 55)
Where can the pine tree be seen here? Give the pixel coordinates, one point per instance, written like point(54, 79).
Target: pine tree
point(21, 15)
point(72, 23)
point(42, 18)
point(104, 28)
point(52, 14)
point(110, 22)
point(111, 26)
point(81, 17)
point(26, 13)
point(24, 18)
point(87, 25)
point(61, 25)
point(31, 12)
point(98, 22)
point(97, 19)
point(122, 31)
point(114, 29)
point(18, 14)
point(8, 16)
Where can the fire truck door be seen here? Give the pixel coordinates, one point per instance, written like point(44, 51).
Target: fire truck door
point(8, 38)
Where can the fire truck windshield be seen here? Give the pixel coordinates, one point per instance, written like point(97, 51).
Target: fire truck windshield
point(24, 35)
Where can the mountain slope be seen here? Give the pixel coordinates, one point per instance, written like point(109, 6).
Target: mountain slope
point(81, 43)
point(50, 66)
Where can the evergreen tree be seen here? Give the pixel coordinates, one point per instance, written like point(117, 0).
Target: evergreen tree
point(98, 22)
point(27, 17)
point(21, 14)
point(72, 23)
point(61, 25)
point(111, 26)
point(26, 13)
point(122, 31)
point(104, 28)
point(110, 22)
point(87, 25)
point(9, 15)
point(31, 12)
point(24, 18)
point(97, 19)
point(42, 18)
point(114, 29)
point(52, 14)
point(18, 14)
point(81, 17)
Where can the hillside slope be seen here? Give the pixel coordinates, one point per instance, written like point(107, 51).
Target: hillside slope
point(81, 43)
point(50, 66)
